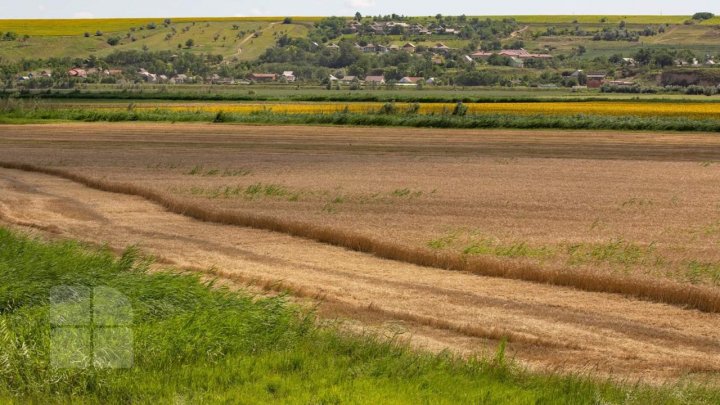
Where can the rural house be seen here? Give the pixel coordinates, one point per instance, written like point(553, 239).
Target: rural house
point(77, 72)
point(289, 76)
point(179, 79)
point(411, 80)
point(349, 79)
point(440, 47)
point(408, 47)
point(595, 80)
point(375, 80)
point(511, 53)
point(262, 77)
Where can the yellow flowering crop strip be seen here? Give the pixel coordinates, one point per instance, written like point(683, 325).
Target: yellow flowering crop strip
point(639, 109)
point(70, 27)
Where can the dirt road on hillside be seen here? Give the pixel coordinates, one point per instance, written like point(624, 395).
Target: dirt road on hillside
point(547, 326)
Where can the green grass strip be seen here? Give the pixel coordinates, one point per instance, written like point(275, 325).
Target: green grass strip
point(197, 343)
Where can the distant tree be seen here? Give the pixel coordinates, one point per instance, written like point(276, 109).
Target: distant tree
point(517, 44)
point(358, 16)
point(190, 43)
point(9, 36)
point(498, 60)
point(288, 20)
point(685, 55)
point(535, 64)
point(643, 56)
point(167, 21)
point(86, 34)
point(702, 16)
point(663, 58)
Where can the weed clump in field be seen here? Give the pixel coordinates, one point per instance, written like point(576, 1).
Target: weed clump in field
point(460, 109)
point(220, 117)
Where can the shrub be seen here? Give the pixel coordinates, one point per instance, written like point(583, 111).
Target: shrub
point(220, 116)
point(460, 109)
point(414, 108)
point(702, 16)
point(10, 36)
point(388, 108)
point(112, 41)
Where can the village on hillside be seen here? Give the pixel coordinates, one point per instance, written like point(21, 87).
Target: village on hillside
point(394, 51)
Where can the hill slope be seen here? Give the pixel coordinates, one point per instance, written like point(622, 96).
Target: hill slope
point(233, 36)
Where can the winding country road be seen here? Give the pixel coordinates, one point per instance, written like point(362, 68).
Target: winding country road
point(547, 326)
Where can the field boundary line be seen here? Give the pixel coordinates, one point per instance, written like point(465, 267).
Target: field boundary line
point(645, 288)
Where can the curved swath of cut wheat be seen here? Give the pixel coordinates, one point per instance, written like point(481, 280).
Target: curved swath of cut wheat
point(701, 298)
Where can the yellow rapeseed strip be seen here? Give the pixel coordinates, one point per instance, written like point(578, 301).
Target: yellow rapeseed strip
point(68, 27)
point(641, 109)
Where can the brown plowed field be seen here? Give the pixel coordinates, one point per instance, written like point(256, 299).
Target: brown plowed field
point(548, 326)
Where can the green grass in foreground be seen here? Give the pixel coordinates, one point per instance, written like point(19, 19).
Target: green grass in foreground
point(22, 116)
point(197, 343)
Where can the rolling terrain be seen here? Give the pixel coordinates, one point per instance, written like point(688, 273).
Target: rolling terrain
point(222, 35)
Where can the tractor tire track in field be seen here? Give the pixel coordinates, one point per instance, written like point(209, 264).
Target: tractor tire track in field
point(548, 327)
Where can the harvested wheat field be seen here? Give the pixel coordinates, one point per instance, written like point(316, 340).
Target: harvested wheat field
point(590, 251)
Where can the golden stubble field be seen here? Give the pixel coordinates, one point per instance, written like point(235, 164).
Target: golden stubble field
point(539, 210)
point(630, 204)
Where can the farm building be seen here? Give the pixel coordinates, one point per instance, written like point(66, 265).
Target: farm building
point(263, 77)
point(77, 72)
point(349, 79)
point(408, 47)
point(375, 80)
point(289, 76)
point(595, 80)
point(411, 80)
point(511, 53)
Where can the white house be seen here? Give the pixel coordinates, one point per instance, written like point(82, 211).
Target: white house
point(289, 75)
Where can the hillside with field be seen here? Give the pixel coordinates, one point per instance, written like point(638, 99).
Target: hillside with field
point(509, 209)
point(629, 53)
point(234, 40)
